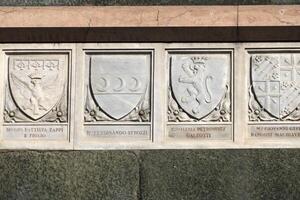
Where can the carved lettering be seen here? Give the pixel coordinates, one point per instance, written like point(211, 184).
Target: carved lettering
point(274, 131)
point(200, 132)
point(124, 131)
point(35, 132)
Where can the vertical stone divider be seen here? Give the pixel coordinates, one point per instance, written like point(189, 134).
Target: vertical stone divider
point(240, 111)
point(72, 82)
point(160, 99)
point(79, 96)
point(2, 73)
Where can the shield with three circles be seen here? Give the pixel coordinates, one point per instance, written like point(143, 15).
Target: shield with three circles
point(119, 82)
point(36, 83)
point(275, 80)
point(199, 82)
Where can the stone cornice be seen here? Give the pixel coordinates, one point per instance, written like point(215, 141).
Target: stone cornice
point(269, 15)
point(150, 23)
point(150, 16)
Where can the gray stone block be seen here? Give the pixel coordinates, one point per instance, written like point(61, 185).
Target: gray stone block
point(31, 175)
point(220, 174)
point(150, 175)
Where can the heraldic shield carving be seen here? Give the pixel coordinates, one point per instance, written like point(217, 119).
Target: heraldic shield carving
point(200, 87)
point(119, 85)
point(36, 89)
point(275, 87)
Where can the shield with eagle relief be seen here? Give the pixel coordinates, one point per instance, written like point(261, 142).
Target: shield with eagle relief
point(36, 84)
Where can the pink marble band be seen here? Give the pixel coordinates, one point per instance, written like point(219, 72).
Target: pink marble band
point(150, 23)
point(150, 16)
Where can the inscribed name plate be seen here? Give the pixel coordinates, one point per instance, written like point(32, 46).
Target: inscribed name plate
point(204, 132)
point(36, 97)
point(118, 89)
point(274, 95)
point(199, 95)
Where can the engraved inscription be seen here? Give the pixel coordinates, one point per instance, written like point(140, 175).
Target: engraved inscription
point(199, 88)
point(123, 131)
point(36, 89)
point(118, 88)
point(275, 131)
point(44, 132)
point(203, 132)
point(274, 91)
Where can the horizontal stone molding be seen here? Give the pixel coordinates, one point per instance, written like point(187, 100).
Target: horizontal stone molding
point(150, 16)
point(268, 16)
point(161, 23)
point(119, 16)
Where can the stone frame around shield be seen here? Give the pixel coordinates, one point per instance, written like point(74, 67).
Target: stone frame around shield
point(185, 68)
point(37, 103)
point(273, 96)
point(118, 95)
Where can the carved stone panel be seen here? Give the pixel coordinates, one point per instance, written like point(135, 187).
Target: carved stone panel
point(117, 89)
point(274, 89)
point(199, 93)
point(274, 94)
point(36, 96)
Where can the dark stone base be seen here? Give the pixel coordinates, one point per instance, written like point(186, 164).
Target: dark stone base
point(69, 175)
point(151, 174)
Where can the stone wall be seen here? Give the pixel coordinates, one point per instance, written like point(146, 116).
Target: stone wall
point(150, 174)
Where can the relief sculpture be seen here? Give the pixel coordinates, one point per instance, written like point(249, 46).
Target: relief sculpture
point(274, 91)
point(35, 90)
point(199, 89)
point(118, 88)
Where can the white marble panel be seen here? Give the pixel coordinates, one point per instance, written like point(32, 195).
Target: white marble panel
point(37, 92)
point(150, 95)
point(273, 87)
point(199, 95)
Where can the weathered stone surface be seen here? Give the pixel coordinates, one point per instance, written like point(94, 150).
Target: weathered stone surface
point(149, 16)
point(36, 91)
point(220, 174)
point(150, 175)
point(256, 16)
point(199, 82)
point(119, 16)
point(68, 175)
point(149, 23)
point(141, 2)
point(119, 83)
